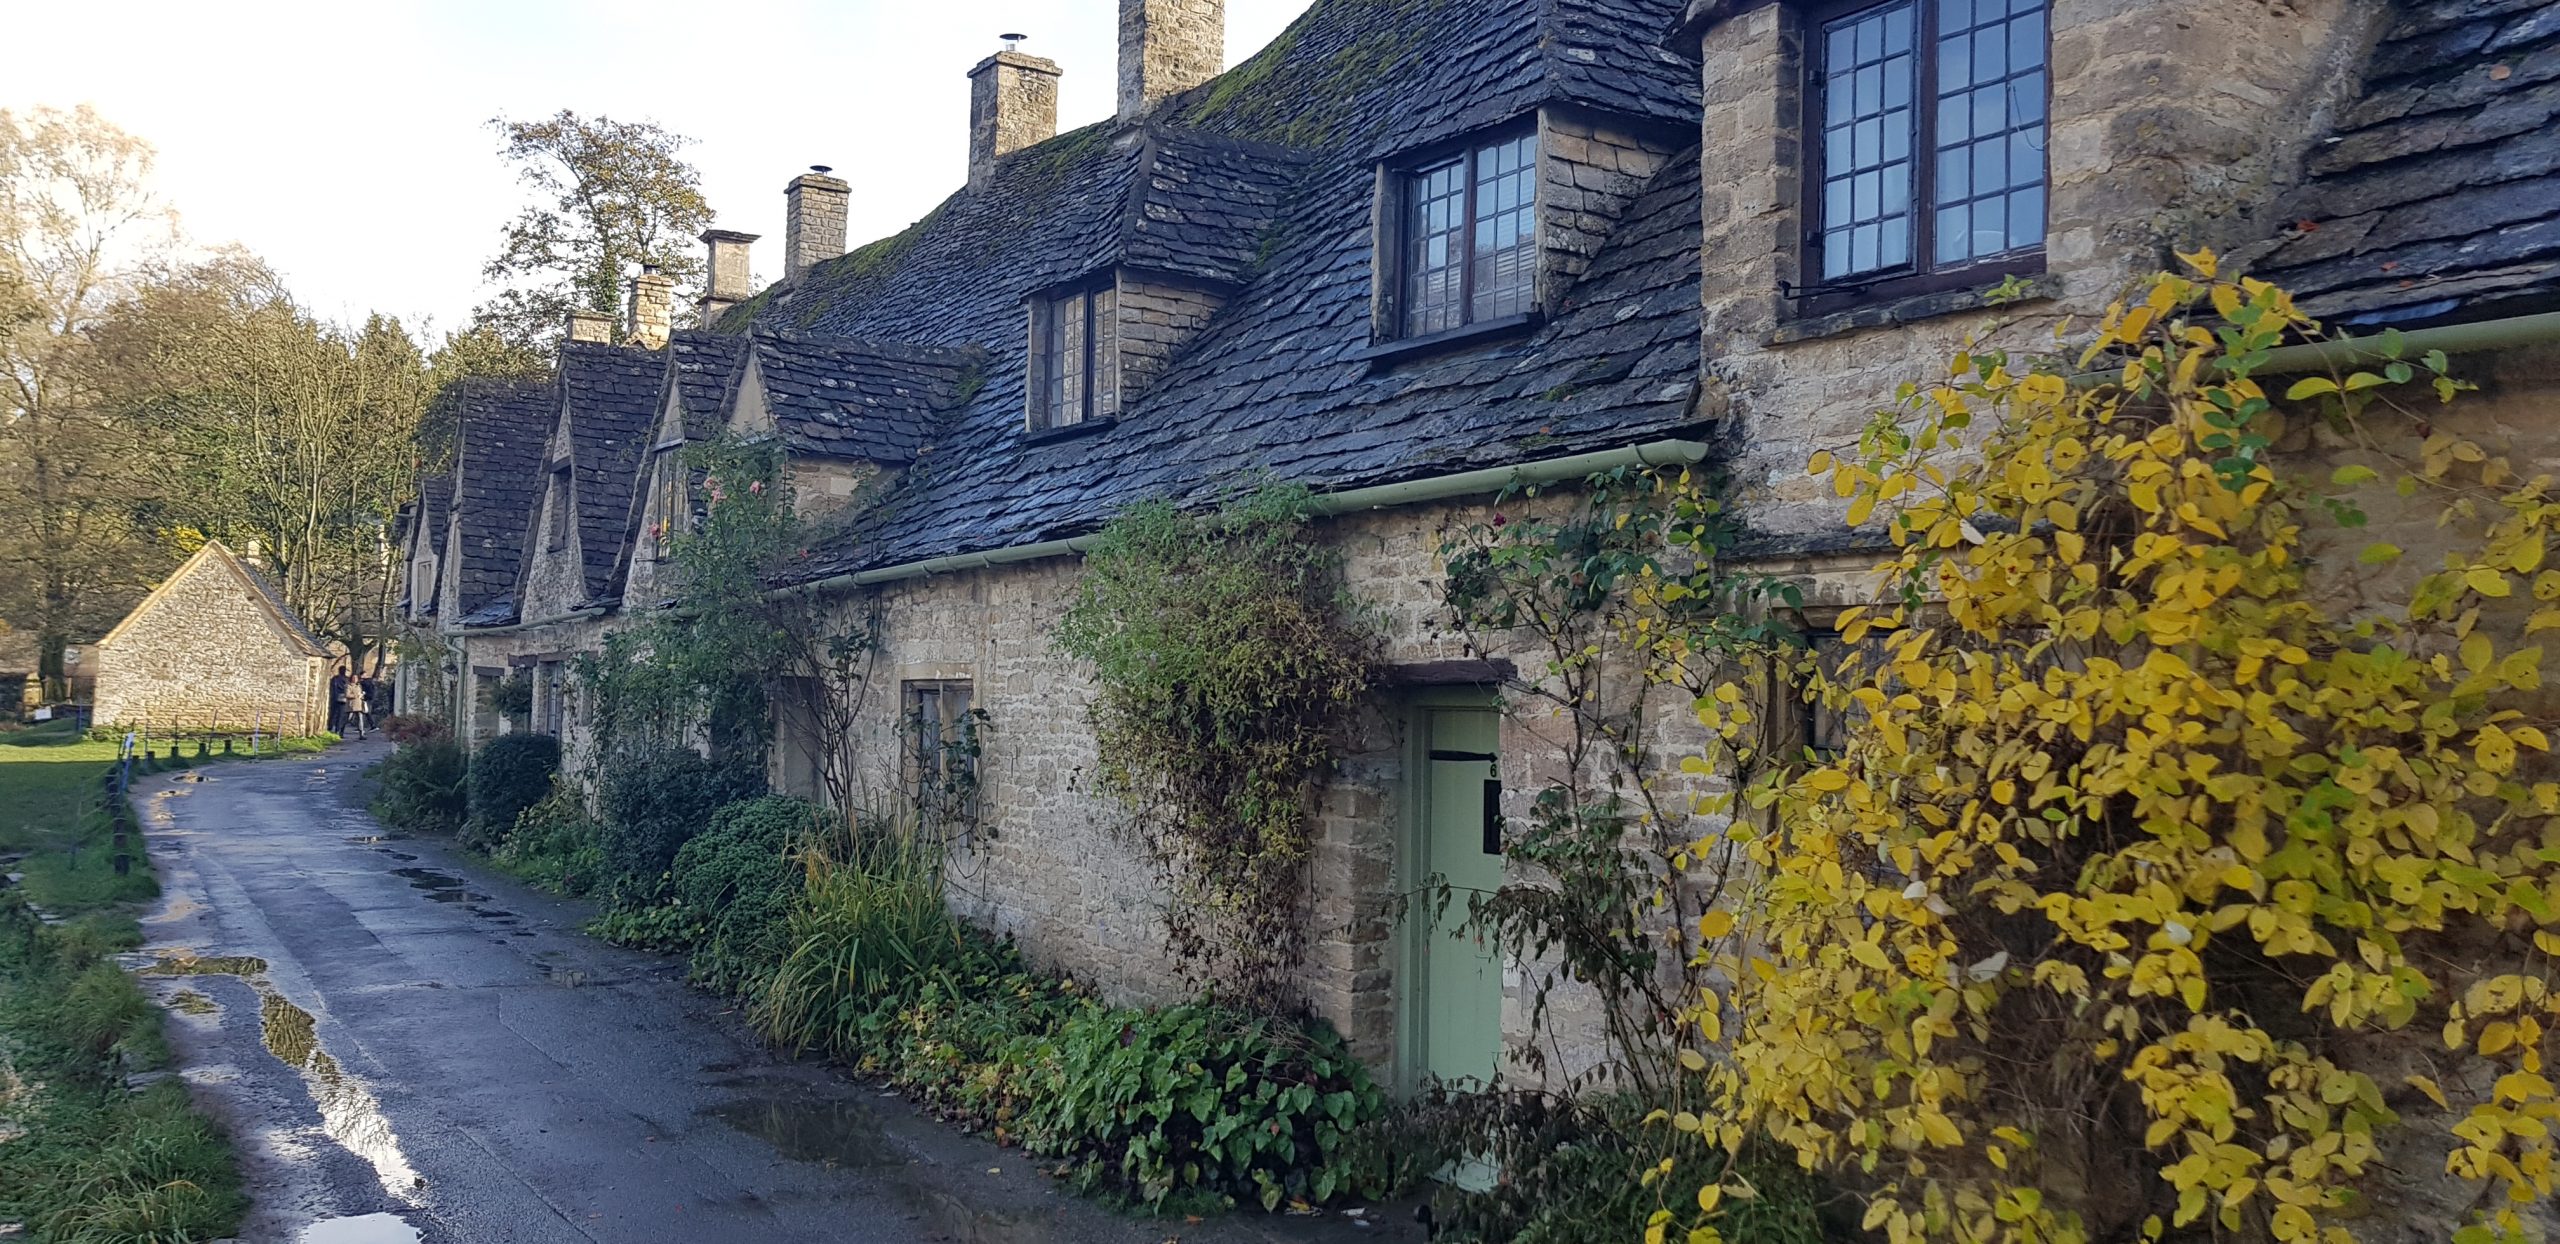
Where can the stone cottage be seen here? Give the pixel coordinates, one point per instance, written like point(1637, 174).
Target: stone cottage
point(1415, 253)
point(214, 647)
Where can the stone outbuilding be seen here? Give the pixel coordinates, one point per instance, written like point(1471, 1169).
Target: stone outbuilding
point(214, 647)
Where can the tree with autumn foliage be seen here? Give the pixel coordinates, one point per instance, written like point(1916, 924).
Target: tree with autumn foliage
point(2192, 868)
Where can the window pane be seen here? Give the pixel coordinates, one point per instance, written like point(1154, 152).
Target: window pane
point(1866, 81)
point(1104, 364)
point(1070, 318)
point(1438, 196)
point(1991, 129)
point(1505, 233)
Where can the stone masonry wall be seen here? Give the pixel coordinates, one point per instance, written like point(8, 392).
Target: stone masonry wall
point(1589, 172)
point(555, 581)
point(1052, 861)
point(1013, 103)
point(207, 653)
point(1168, 47)
point(1156, 318)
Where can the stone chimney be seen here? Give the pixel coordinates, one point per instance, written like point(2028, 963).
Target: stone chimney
point(812, 221)
point(590, 326)
point(1168, 47)
point(730, 282)
point(1013, 103)
point(652, 311)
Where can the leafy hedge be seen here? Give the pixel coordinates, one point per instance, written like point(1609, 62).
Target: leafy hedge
point(652, 803)
point(424, 786)
point(739, 876)
point(555, 844)
point(512, 772)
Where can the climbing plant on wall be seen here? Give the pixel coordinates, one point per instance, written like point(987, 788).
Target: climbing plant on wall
point(728, 645)
point(2192, 859)
point(1228, 661)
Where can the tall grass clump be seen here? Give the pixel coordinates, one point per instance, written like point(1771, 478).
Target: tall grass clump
point(868, 926)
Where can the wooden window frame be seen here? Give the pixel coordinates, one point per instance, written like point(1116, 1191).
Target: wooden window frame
point(928, 769)
point(1395, 232)
point(556, 535)
point(1812, 295)
point(1092, 410)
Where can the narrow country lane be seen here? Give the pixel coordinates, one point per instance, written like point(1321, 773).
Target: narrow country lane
point(421, 1040)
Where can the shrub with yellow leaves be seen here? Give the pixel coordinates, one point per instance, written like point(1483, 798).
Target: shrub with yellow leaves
point(2158, 879)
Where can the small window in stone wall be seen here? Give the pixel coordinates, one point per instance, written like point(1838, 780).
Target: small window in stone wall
point(942, 749)
point(552, 682)
point(1074, 373)
point(557, 503)
point(1925, 168)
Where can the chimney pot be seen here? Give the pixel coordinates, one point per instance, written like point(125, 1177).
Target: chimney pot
point(590, 326)
point(813, 222)
point(652, 309)
point(1168, 47)
point(730, 281)
point(1013, 103)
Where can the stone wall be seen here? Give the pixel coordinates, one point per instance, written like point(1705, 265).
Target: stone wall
point(1156, 319)
point(1013, 103)
point(1052, 861)
point(555, 579)
point(204, 651)
point(813, 223)
point(1589, 172)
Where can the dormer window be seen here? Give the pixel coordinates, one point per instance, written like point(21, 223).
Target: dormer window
point(1074, 374)
point(1465, 244)
point(558, 535)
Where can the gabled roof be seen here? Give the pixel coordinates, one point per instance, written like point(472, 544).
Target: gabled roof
point(218, 558)
point(699, 366)
point(499, 465)
point(1281, 381)
point(2438, 195)
point(610, 398)
point(846, 398)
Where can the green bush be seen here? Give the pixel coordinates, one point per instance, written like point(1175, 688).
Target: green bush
point(739, 877)
point(423, 787)
point(555, 844)
point(866, 930)
point(653, 802)
point(511, 773)
point(1173, 1107)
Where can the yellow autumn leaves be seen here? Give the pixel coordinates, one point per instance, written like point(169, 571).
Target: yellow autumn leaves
point(2153, 827)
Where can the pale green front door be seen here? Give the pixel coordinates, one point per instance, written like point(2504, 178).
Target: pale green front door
point(1461, 977)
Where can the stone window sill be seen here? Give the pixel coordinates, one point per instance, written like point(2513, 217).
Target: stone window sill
point(1393, 351)
point(1065, 432)
point(1892, 312)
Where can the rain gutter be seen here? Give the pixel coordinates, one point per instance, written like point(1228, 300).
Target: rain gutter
point(2477, 337)
point(1348, 501)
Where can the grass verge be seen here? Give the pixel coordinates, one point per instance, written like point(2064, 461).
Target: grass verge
point(84, 1157)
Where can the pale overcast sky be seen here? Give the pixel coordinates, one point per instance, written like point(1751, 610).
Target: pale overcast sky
point(345, 143)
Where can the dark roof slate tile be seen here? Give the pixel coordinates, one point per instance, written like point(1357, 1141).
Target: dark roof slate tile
point(505, 424)
point(2438, 196)
point(846, 398)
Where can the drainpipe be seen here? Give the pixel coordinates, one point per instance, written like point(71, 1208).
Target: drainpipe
point(1382, 496)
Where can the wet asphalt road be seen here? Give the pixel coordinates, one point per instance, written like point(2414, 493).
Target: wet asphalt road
point(423, 1041)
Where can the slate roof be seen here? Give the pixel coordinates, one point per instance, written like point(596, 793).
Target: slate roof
point(846, 398)
point(611, 393)
point(1280, 383)
point(504, 426)
point(2437, 197)
point(700, 365)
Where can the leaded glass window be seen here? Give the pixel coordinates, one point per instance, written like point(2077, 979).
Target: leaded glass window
point(1470, 236)
point(1931, 152)
point(1075, 350)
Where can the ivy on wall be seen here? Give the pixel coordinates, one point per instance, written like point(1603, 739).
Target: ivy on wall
point(1228, 660)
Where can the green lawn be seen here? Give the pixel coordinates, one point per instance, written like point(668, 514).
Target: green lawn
point(84, 1160)
point(53, 813)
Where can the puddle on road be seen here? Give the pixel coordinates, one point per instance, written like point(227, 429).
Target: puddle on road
point(242, 966)
point(348, 1113)
point(831, 1133)
point(368, 1229)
